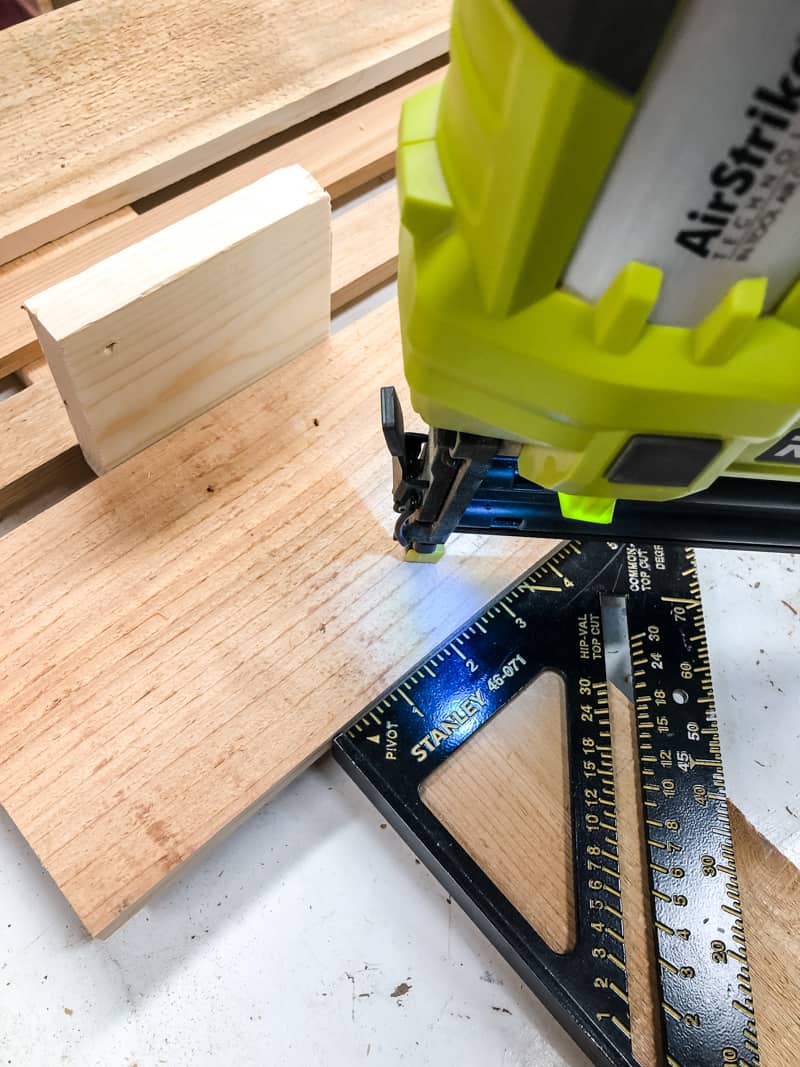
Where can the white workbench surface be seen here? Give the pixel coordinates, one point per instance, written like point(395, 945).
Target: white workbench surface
point(291, 943)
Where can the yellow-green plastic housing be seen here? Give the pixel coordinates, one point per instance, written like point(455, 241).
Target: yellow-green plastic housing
point(498, 169)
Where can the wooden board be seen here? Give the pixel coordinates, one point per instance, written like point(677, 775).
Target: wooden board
point(154, 93)
point(151, 337)
point(190, 630)
point(503, 798)
point(343, 154)
point(37, 442)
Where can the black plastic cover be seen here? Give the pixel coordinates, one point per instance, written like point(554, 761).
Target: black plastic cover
point(662, 459)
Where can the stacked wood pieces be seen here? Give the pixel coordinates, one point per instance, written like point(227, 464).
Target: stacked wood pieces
point(154, 95)
point(344, 153)
point(39, 441)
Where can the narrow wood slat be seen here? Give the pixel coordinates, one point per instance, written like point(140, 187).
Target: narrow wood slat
point(364, 247)
point(33, 373)
point(770, 887)
point(152, 98)
point(37, 442)
point(343, 154)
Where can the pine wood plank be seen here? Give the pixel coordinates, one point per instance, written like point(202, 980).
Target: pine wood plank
point(144, 341)
point(153, 95)
point(343, 154)
point(494, 797)
point(190, 630)
point(37, 440)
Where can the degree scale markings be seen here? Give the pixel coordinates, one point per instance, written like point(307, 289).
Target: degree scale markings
point(446, 697)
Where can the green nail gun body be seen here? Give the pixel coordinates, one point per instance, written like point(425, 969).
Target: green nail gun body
point(599, 254)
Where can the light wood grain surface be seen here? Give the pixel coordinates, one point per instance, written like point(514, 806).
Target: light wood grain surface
point(151, 337)
point(190, 630)
point(109, 101)
point(343, 154)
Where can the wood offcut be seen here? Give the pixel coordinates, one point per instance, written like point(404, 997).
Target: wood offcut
point(146, 340)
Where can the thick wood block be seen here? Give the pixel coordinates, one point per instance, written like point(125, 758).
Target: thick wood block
point(151, 337)
point(109, 101)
